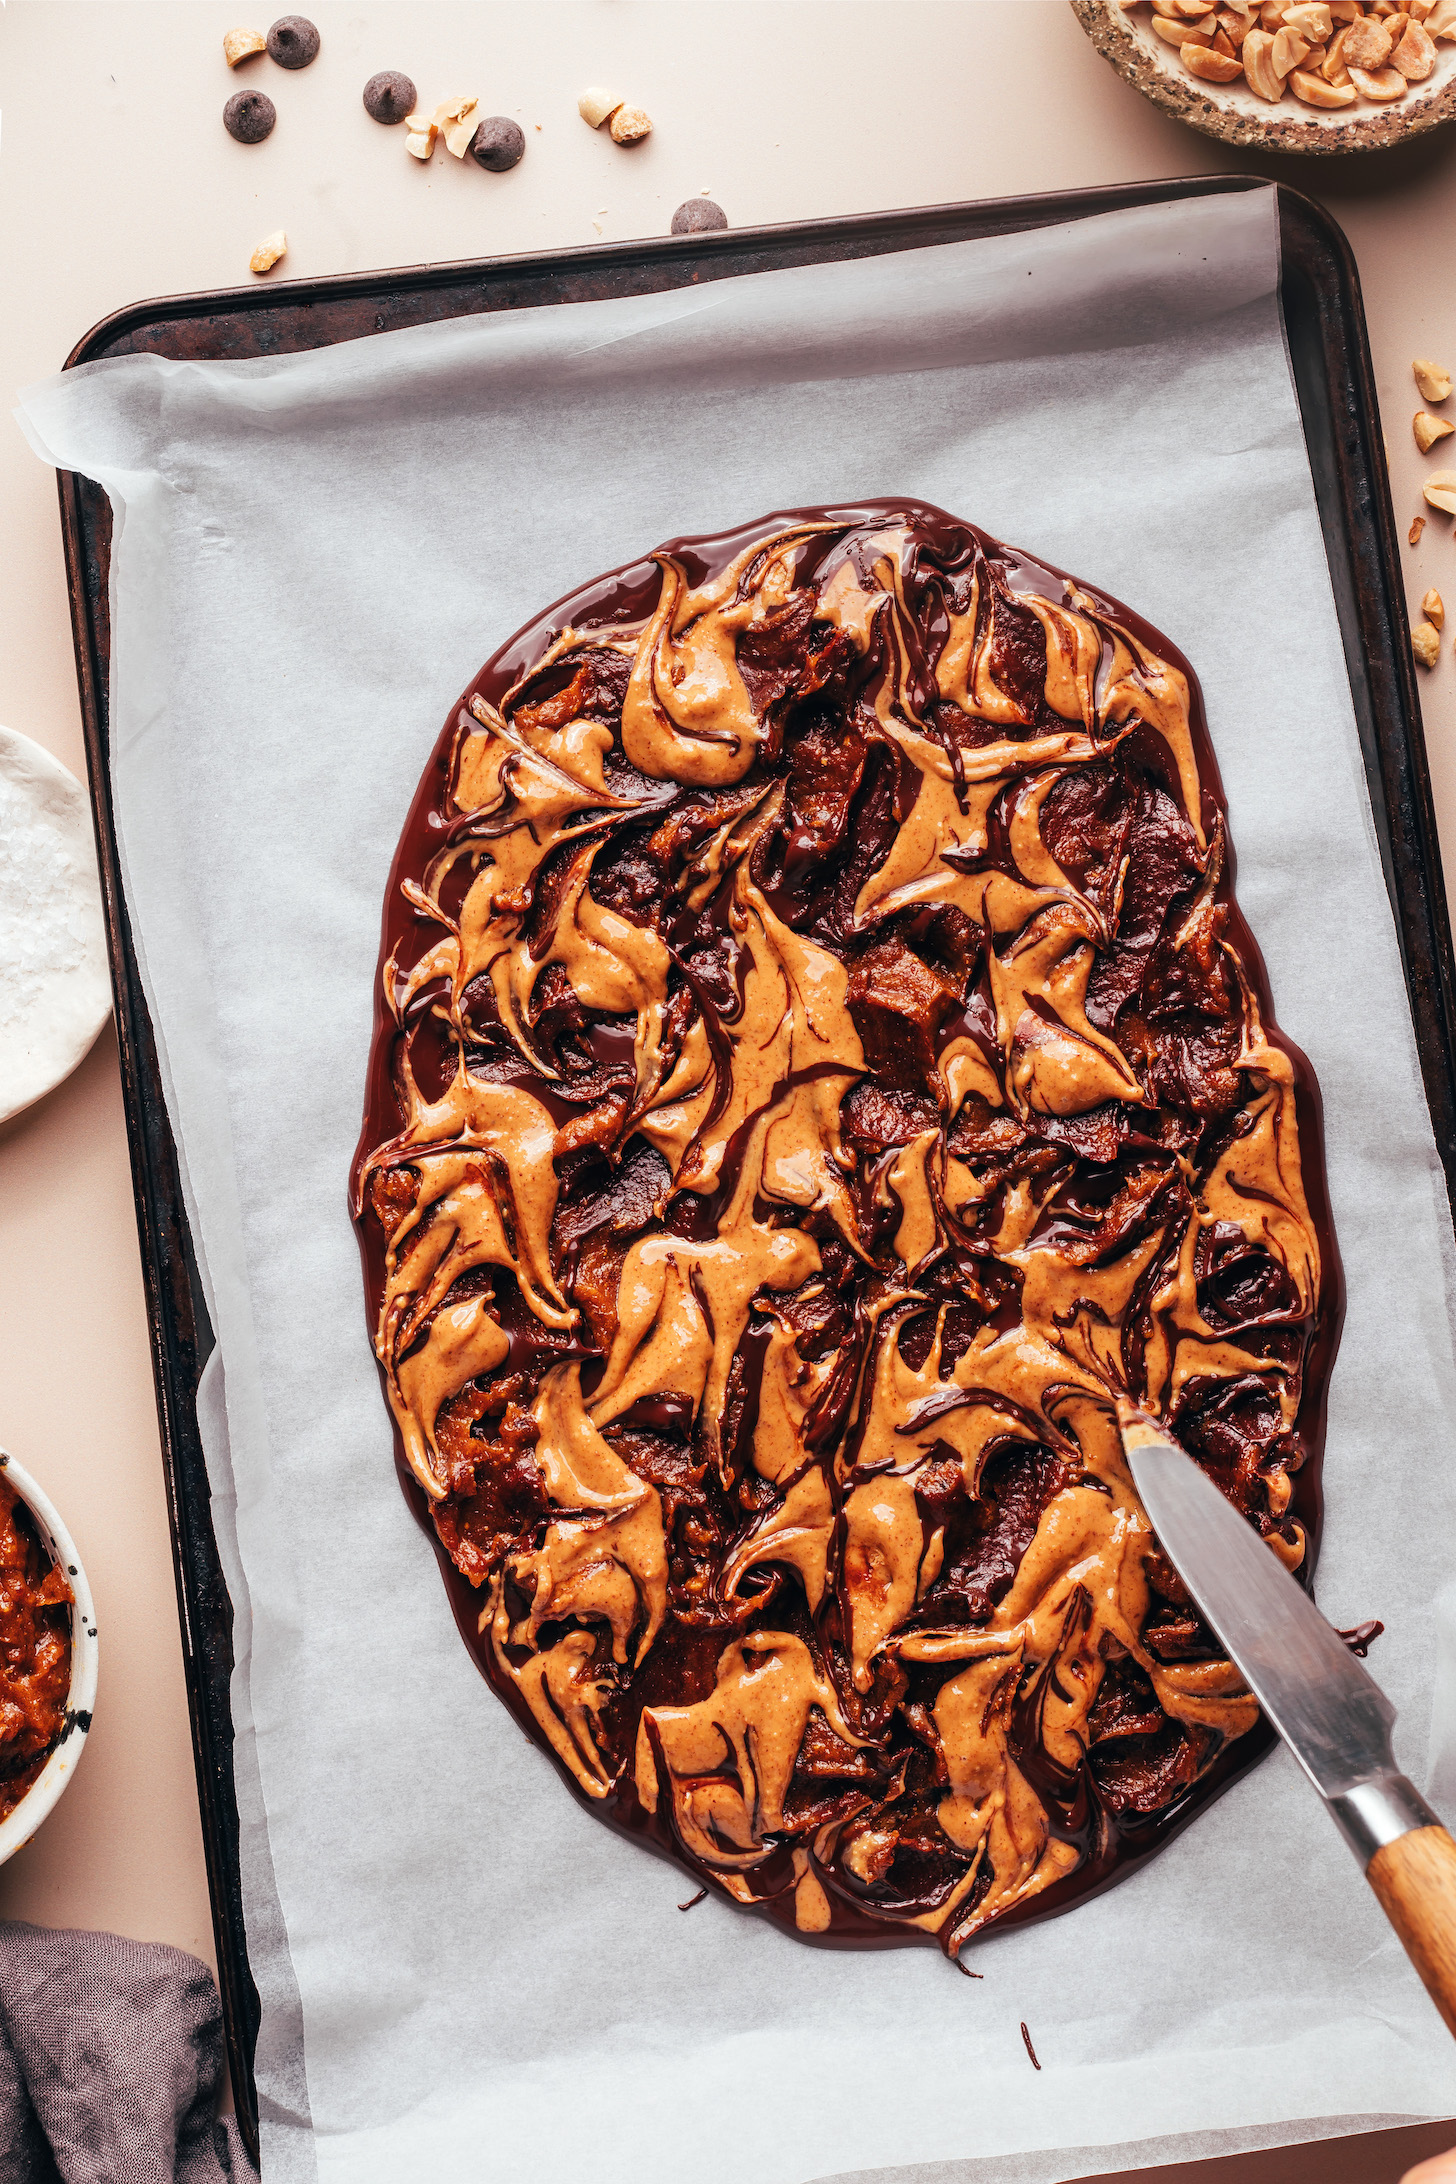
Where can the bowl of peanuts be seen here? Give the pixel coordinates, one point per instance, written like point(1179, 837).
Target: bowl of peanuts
point(1295, 75)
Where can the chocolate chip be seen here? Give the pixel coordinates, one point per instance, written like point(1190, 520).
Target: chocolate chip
point(293, 41)
point(697, 215)
point(249, 116)
point(498, 143)
point(389, 96)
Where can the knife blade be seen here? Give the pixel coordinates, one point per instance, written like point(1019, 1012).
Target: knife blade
point(1327, 1708)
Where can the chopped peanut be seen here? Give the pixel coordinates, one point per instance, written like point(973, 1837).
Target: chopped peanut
point(240, 45)
point(456, 121)
point(268, 252)
point(1213, 67)
point(1433, 607)
point(596, 106)
point(1258, 67)
point(1415, 56)
point(629, 125)
point(1426, 644)
point(1316, 92)
point(1428, 430)
point(1433, 380)
point(1334, 69)
point(1329, 53)
point(420, 132)
point(1439, 490)
point(1289, 51)
point(1413, 535)
point(1367, 44)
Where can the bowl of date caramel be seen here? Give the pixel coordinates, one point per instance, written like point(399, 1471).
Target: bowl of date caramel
point(48, 1652)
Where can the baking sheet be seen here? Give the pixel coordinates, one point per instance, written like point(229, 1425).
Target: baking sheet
point(313, 555)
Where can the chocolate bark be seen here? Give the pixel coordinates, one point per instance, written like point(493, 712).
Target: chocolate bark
point(819, 1067)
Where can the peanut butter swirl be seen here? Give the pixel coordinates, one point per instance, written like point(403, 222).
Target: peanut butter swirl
point(821, 1071)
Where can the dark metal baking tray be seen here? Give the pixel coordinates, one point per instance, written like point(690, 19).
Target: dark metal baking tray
point(1330, 354)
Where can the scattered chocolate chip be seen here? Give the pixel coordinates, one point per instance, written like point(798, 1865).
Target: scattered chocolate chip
point(497, 144)
point(249, 116)
point(389, 96)
point(1362, 1636)
point(293, 41)
point(697, 215)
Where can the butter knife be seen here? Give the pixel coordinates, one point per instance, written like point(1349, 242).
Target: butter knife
point(1328, 1709)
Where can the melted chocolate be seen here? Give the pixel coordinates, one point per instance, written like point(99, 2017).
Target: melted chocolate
point(820, 1070)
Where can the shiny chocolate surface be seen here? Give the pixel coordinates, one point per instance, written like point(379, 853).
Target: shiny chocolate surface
point(820, 1067)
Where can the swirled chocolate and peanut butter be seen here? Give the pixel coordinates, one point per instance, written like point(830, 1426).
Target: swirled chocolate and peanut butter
point(820, 1069)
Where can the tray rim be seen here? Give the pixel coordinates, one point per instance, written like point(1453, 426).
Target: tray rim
point(1392, 741)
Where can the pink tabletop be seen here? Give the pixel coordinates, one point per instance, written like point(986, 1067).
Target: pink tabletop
point(119, 182)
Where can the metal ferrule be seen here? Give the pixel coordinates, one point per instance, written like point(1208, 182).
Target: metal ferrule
point(1378, 1812)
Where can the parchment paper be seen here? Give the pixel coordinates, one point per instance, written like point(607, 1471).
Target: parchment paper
point(465, 1975)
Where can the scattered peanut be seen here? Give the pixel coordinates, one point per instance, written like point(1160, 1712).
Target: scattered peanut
point(1433, 380)
point(1329, 53)
point(1428, 430)
point(1433, 607)
point(421, 131)
point(1439, 490)
point(1426, 644)
point(456, 121)
point(629, 125)
point(268, 252)
point(596, 106)
point(1413, 535)
point(239, 45)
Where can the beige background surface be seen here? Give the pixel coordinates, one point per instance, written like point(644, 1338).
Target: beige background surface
point(117, 181)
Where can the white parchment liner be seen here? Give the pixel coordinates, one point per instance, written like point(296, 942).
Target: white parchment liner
point(466, 1975)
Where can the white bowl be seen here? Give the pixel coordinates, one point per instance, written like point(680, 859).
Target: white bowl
point(17, 1830)
point(1236, 115)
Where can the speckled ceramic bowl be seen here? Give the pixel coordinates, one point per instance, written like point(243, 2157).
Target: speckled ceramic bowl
point(17, 1830)
point(1237, 115)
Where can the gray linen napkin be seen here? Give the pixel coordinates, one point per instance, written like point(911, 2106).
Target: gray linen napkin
point(110, 2063)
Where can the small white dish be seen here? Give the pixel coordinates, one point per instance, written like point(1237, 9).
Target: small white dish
point(55, 989)
point(17, 1830)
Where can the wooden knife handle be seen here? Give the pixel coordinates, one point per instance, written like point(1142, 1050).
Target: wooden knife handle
point(1415, 1880)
